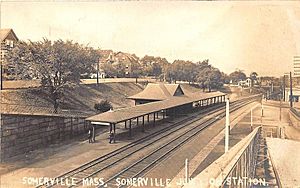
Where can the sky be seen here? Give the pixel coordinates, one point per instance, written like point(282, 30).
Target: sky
point(250, 36)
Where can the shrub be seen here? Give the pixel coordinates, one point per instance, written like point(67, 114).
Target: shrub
point(103, 106)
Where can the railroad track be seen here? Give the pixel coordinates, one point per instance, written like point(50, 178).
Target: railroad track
point(144, 164)
point(180, 129)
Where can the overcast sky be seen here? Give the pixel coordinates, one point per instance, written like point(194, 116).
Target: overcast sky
point(251, 36)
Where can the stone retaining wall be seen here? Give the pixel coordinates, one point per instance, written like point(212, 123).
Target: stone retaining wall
point(23, 133)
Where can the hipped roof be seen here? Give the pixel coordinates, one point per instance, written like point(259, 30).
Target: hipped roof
point(157, 91)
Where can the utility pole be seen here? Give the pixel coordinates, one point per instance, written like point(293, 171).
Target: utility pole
point(283, 87)
point(291, 90)
point(280, 109)
point(227, 126)
point(98, 73)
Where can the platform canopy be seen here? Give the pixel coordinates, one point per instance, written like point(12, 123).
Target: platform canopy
point(123, 114)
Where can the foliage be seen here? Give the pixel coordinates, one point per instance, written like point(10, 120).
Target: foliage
point(237, 76)
point(103, 106)
point(109, 70)
point(58, 64)
point(208, 76)
point(154, 66)
point(253, 75)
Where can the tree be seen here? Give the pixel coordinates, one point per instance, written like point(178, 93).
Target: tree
point(136, 69)
point(58, 64)
point(154, 66)
point(183, 70)
point(208, 76)
point(253, 77)
point(237, 76)
point(225, 78)
point(109, 70)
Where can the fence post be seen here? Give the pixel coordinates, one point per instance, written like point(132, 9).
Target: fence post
point(186, 170)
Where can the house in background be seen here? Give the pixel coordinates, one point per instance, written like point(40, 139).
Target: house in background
point(8, 39)
point(247, 83)
point(121, 61)
point(157, 92)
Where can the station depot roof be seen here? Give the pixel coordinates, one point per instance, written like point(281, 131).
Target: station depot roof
point(124, 114)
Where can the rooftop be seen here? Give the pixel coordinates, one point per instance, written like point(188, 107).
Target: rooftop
point(7, 33)
point(159, 91)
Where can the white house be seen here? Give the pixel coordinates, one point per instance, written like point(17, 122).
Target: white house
point(245, 83)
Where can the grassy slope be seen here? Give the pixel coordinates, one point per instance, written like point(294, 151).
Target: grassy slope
point(81, 98)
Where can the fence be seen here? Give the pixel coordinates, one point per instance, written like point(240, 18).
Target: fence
point(295, 118)
point(234, 168)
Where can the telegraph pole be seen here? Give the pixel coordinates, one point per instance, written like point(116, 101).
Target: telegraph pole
point(98, 73)
point(280, 109)
point(283, 87)
point(227, 126)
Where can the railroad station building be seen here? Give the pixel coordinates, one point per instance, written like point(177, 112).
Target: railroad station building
point(170, 101)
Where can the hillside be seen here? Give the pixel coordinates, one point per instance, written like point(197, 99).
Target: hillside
point(77, 101)
point(80, 99)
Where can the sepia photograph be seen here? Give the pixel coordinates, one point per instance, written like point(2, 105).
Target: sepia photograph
point(149, 94)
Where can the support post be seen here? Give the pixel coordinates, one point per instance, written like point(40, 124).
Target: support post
point(227, 126)
point(143, 125)
point(130, 128)
point(114, 132)
point(154, 119)
point(94, 135)
point(148, 118)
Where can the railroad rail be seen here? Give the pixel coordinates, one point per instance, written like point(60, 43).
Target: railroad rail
point(182, 131)
point(141, 166)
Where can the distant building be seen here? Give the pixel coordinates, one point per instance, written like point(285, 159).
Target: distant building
point(157, 92)
point(245, 83)
point(8, 39)
point(121, 61)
